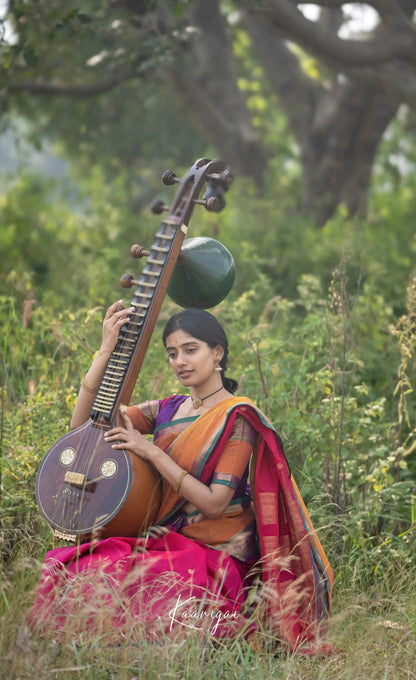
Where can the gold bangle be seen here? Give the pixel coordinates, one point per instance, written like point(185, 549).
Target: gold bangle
point(87, 388)
point(180, 480)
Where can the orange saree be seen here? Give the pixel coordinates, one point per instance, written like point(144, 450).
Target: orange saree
point(296, 574)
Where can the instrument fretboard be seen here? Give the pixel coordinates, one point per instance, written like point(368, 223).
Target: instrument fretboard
point(108, 395)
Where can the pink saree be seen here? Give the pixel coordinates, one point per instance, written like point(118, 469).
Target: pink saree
point(179, 578)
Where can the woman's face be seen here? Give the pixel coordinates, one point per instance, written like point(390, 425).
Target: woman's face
point(191, 359)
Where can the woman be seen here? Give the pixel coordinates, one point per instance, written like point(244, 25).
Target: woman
point(233, 549)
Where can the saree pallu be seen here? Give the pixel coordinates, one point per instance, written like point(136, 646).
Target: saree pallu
point(170, 583)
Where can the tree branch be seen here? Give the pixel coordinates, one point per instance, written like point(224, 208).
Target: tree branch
point(394, 79)
point(93, 89)
point(398, 43)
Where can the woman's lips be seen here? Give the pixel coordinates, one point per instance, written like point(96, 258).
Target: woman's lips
point(185, 374)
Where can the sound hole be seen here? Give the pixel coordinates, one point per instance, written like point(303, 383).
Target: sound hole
point(108, 468)
point(67, 456)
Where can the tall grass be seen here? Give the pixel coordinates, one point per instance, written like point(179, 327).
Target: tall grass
point(373, 626)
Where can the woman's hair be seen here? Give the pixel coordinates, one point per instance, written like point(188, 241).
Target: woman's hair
point(203, 326)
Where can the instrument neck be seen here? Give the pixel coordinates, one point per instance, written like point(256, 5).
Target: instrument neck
point(128, 355)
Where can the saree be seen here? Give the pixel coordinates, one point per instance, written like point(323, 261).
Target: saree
point(183, 576)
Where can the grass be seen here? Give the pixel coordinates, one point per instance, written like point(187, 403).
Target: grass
point(374, 623)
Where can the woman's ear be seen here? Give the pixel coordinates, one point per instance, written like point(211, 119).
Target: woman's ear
point(218, 353)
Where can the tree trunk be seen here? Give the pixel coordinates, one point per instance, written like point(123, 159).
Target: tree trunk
point(337, 128)
point(338, 156)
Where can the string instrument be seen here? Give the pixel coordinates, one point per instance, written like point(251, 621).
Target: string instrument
point(83, 486)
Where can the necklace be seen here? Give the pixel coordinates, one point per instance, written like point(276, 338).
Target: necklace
point(197, 402)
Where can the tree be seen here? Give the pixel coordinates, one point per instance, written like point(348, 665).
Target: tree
point(337, 108)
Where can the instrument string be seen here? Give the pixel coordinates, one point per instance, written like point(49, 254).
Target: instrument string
point(71, 497)
point(130, 332)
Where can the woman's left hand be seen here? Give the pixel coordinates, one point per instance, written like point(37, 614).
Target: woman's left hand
point(129, 438)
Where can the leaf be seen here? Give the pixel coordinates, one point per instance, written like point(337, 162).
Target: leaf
point(178, 8)
point(84, 17)
point(30, 57)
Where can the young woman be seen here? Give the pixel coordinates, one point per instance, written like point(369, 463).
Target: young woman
point(233, 549)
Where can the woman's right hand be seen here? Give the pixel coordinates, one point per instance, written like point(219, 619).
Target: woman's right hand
point(116, 316)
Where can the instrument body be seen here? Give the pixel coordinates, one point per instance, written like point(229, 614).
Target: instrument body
point(83, 485)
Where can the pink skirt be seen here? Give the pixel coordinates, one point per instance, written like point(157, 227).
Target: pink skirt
point(167, 585)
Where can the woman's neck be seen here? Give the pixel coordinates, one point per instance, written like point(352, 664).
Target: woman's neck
point(198, 399)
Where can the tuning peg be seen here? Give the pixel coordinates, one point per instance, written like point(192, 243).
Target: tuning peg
point(138, 251)
point(212, 204)
point(226, 177)
point(169, 178)
point(157, 206)
point(128, 281)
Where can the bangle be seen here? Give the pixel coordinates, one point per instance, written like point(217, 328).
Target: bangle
point(87, 388)
point(180, 480)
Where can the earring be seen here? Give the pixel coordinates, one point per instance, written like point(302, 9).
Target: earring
point(218, 368)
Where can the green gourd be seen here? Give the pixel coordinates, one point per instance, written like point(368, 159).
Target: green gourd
point(204, 273)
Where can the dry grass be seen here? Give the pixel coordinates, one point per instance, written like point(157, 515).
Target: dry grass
point(376, 628)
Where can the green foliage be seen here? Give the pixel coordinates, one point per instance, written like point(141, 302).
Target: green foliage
point(347, 430)
point(63, 244)
point(272, 234)
point(132, 118)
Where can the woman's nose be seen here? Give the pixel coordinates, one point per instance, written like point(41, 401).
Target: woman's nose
point(180, 359)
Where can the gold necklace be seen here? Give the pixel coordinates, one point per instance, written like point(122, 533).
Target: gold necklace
point(197, 402)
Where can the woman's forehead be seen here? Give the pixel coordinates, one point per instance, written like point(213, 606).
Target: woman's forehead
point(179, 338)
